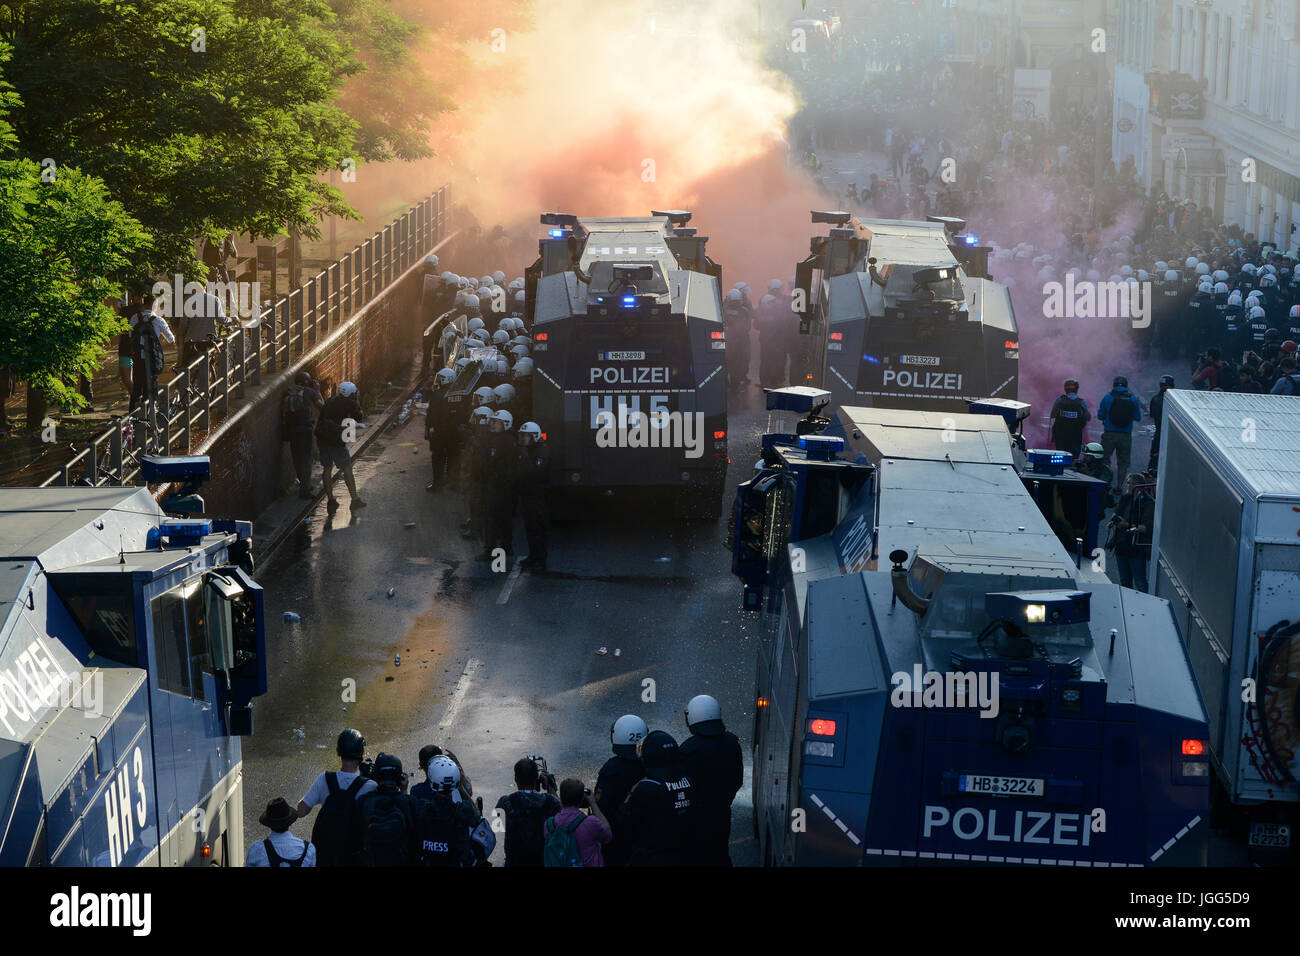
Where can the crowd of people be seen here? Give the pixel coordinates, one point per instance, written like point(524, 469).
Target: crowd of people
point(654, 803)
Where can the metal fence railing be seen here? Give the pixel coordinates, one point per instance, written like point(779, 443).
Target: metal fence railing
point(197, 399)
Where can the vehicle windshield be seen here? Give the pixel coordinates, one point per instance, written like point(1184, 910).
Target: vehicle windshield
point(900, 286)
point(604, 283)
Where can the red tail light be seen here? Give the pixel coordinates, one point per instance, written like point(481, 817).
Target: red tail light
point(543, 436)
point(1193, 748)
point(716, 335)
point(1008, 344)
point(718, 435)
point(837, 336)
point(542, 337)
point(822, 727)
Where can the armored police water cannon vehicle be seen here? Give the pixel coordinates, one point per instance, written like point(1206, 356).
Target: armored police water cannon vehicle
point(902, 314)
point(1232, 576)
point(629, 355)
point(979, 698)
point(132, 644)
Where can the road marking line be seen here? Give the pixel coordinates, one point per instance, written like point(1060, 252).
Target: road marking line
point(458, 695)
point(506, 588)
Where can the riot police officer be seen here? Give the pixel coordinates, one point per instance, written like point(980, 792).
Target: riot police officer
point(440, 431)
point(1070, 415)
point(736, 319)
point(657, 816)
point(498, 478)
point(475, 459)
point(617, 777)
point(712, 758)
point(534, 482)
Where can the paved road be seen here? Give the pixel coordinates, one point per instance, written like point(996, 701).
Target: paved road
point(496, 665)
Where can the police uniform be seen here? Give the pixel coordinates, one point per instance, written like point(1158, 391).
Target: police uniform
point(534, 482)
point(616, 779)
point(1069, 416)
point(656, 819)
point(737, 321)
point(498, 482)
point(440, 429)
point(716, 767)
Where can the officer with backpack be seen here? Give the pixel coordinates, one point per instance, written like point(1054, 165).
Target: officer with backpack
point(1070, 416)
point(657, 817)
point(619, 774)
point(297, 423)
point(280, 848)
point(575, 838)
point(148, 332)
point(1118, 411)
point(390, 823)
point(336, 793)
point(712, 758)
point(526, 811)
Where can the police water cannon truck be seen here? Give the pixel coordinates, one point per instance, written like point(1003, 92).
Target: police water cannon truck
point(901, 314)
point(629, 356)
point(1232, 576)
point(980, 698)
point(132, 644)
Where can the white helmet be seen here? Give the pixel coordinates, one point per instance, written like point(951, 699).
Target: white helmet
point(734, 295)
point(500, 337)
point(1267, 281)
point(1257, 312)
point(1171, 275)
point(532, 430)
point(774, 285)
point(1269, 268)
point(502, 366)
point(504, 393)
point(702, 707)
point(475, 324)
point(1202, 268)
point(484, 396)
point(498, 277)
point(478, 339)
point(523, 367)
point(1220, 288)
point(1126, 271)
point(461, 363)
point(625, 733)
point(480, 416)
point(1254, 294)
point(515, 284)
point(443, 773)
point(1294, 313)
point(1116, 278)
point(1205, 285)
point(445, 376)
point(1143, 275)
point(1249, 268)
point(431, 260)
point(742, 286)
point(1234, 297)
point(1161, 266)
point(505, 418)
point(472, 302)
point(519, 296)
point(1191, 262)
point(449, 277)
point(347, 389)
point(519, 351)
point(460, 299)
point(485, 280)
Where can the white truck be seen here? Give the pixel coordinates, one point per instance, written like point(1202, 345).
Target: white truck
point(1226, 549)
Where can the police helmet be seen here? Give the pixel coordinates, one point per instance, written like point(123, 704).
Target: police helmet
point(1254, 294)
point(502, 366)
point(474, 325)
point(515, 284)
point(532, 430)
point(461, 362)
point(449, 277)
point(504, 393)
point(519, 351)
point(1294, 313)
point(704, 715)
point(1171, 275)
point(1257, 312)
point(1192, 262)
point(483, 396)
point(472, 302)
point(302, 378)
point(351, 744)
point(1234, 297)
point(431, 263)
point(774, 285)
point(1119, 382)
point(1220, 288)
point(626, 732)
point(1126, 271)
point(1161, 266)
point(519, 296)
point(742, 286)
point(1094, 450)
point(1071, 384)
point(1270, 268)
point(734, 295)
point(445, 376)
point(1205, 285)
point(347, 389)
point(498, 277)
point(388, 767)
point(1166, 381)
point(1202, 268)
point(1249, 268)
point(657, 749)
point(1220, 275)
point(505, 418)
point(460, 299)
point(480, 416)
point(485, 280)
point(1267, 281)
point(1143, 275)
point(523, 368)
point(443, 773)
point(522, 339)
point(500, 337)
point(1116, 277)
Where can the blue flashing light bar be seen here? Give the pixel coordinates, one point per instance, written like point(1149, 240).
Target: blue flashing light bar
point(972, 240)
point(629, 301)
point(1047, 461)
point(820, 447)
point(871, 358)
point(556, 233)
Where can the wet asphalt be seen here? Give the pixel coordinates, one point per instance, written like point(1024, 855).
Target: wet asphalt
point(496, 664)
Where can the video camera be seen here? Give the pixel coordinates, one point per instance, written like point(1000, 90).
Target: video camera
point(544, 776)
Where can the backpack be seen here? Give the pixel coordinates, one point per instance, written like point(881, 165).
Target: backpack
point(334, 832)
point(145, 342)
point(1293, 383)
point(295, 408)
point(1228, 377)
point(388, 829)
point(274, 859)
point(562, 843)
point(524, 826)
point(1120, 414)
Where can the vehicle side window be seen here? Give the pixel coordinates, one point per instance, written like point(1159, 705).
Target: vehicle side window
point(196, 618)
point(168, 611)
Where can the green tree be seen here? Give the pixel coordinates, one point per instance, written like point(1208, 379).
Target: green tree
point(202, 116)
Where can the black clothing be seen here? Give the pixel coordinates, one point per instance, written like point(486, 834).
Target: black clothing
point(656, 819)
point(616, 778)
point(445, 828)
point(1139, 511)
point(526, 813)
point(716, 766)
point(534, 482)
point(390, 827)
point(329, 428)
point(498, 483)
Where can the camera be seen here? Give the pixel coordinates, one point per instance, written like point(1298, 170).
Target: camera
point(544, 776)
point(367, 768)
